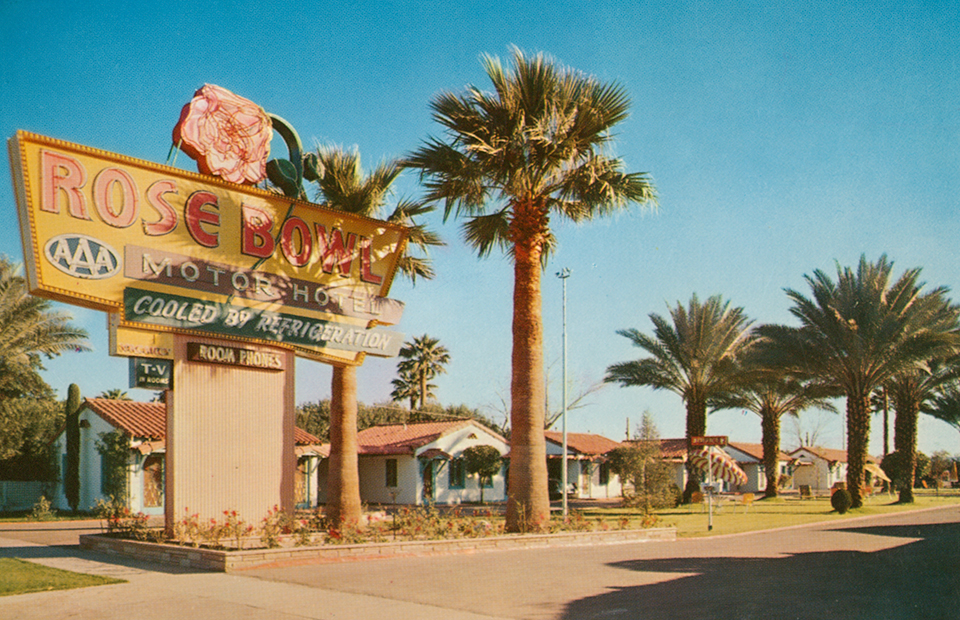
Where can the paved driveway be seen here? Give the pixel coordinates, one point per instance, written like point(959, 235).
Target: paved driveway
point(899, 566)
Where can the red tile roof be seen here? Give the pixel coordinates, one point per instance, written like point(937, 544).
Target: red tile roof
point(756, 450)
point(406, 438)
point(148, 421)
point(831, 455)
point(669, 448)
point(141, 420)
point(584, 443)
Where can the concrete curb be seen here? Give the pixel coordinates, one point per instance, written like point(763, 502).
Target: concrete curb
point(230, 561)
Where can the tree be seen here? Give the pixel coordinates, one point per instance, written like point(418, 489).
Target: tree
point(695, 354)
point(344, 186)
point(71, 477)
point(29, 331)
point(422, 359)
point(510, 159)
point(30, 424)
point(855, 334)
point(911, 390)
point(771, 396)
point(114, 394)
point(640, 463)
point(944, 404)
point(485, 462)
point(407, 387)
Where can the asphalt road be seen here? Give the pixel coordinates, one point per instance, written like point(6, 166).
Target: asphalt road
point(901, 566)
point(892, 567)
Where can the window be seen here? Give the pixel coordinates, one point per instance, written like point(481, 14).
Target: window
point(604, 474)
point(391, 474)
point(458, 473)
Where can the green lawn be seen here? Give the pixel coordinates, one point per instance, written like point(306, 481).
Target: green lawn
point(692, 521)
point(20, 577)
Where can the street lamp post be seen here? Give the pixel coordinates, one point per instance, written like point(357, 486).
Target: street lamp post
point(563, 274)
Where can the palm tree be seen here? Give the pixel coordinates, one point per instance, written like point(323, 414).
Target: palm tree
point(512, 158)
point(344, 186)
point(771, 396)
point(29, 331)
point(406, 387)
point(695, 354)
point(944, 405)
point(855, 334)
point(911, 391)
point(114, 394)
point(423, 359)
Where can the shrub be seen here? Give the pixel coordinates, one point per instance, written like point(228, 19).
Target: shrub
point(42, 510)
point(841, 500)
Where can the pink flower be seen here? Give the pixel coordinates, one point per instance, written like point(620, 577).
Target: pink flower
point(229, 136)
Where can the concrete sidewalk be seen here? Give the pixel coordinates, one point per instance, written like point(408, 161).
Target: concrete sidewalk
point(156, 593)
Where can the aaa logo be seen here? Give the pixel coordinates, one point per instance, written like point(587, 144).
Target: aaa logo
point(81, 256)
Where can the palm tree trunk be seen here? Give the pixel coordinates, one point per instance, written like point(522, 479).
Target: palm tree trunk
point(858, 436)
point(528, 506)
point(343, 490)
point(696, 427)
point(905, 443)
point(770, 423)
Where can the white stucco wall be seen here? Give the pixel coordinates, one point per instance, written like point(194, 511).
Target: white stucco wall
point(409, 489)
point(819, 475)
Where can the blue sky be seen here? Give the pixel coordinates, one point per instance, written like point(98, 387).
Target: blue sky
point(781, 140)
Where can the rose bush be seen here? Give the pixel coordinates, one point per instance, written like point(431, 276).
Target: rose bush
point(227, 135)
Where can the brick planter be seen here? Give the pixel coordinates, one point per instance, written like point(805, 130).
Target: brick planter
point(228, 561)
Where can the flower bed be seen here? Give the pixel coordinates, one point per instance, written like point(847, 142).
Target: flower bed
point(233, 560)
point(230, 543)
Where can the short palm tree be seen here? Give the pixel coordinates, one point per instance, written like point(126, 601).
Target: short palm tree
point(114, 394)
point(344, 186)
point(696, 353)
point(423, 359)
point(855, 334)
point(512, 158)
point(406, 387)
point(29, 331)
point(912, 390)
point(771, 396)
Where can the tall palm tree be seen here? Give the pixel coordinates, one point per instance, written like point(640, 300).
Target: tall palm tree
point(773, 395)
point(343, 185)
point(423, 359)
point(911, 391)
point(696, 353)
point(29, 331)
point(511, 158)
point(856, 333)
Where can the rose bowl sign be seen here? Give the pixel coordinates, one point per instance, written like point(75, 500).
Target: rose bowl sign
point(95, 224)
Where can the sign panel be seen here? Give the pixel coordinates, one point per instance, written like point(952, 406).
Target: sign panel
point(94, 223)
point(714, 440)
point(223, 319)
point(130, 342)
point(234, 356)
point(152, 374)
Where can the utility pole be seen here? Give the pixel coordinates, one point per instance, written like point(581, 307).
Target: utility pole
point(563, 274)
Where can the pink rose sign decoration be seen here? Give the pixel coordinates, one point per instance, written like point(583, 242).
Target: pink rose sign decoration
point(227, 135)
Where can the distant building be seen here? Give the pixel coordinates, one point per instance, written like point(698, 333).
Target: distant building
point(749, 456)
point(588, 473)
point(422, 463)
